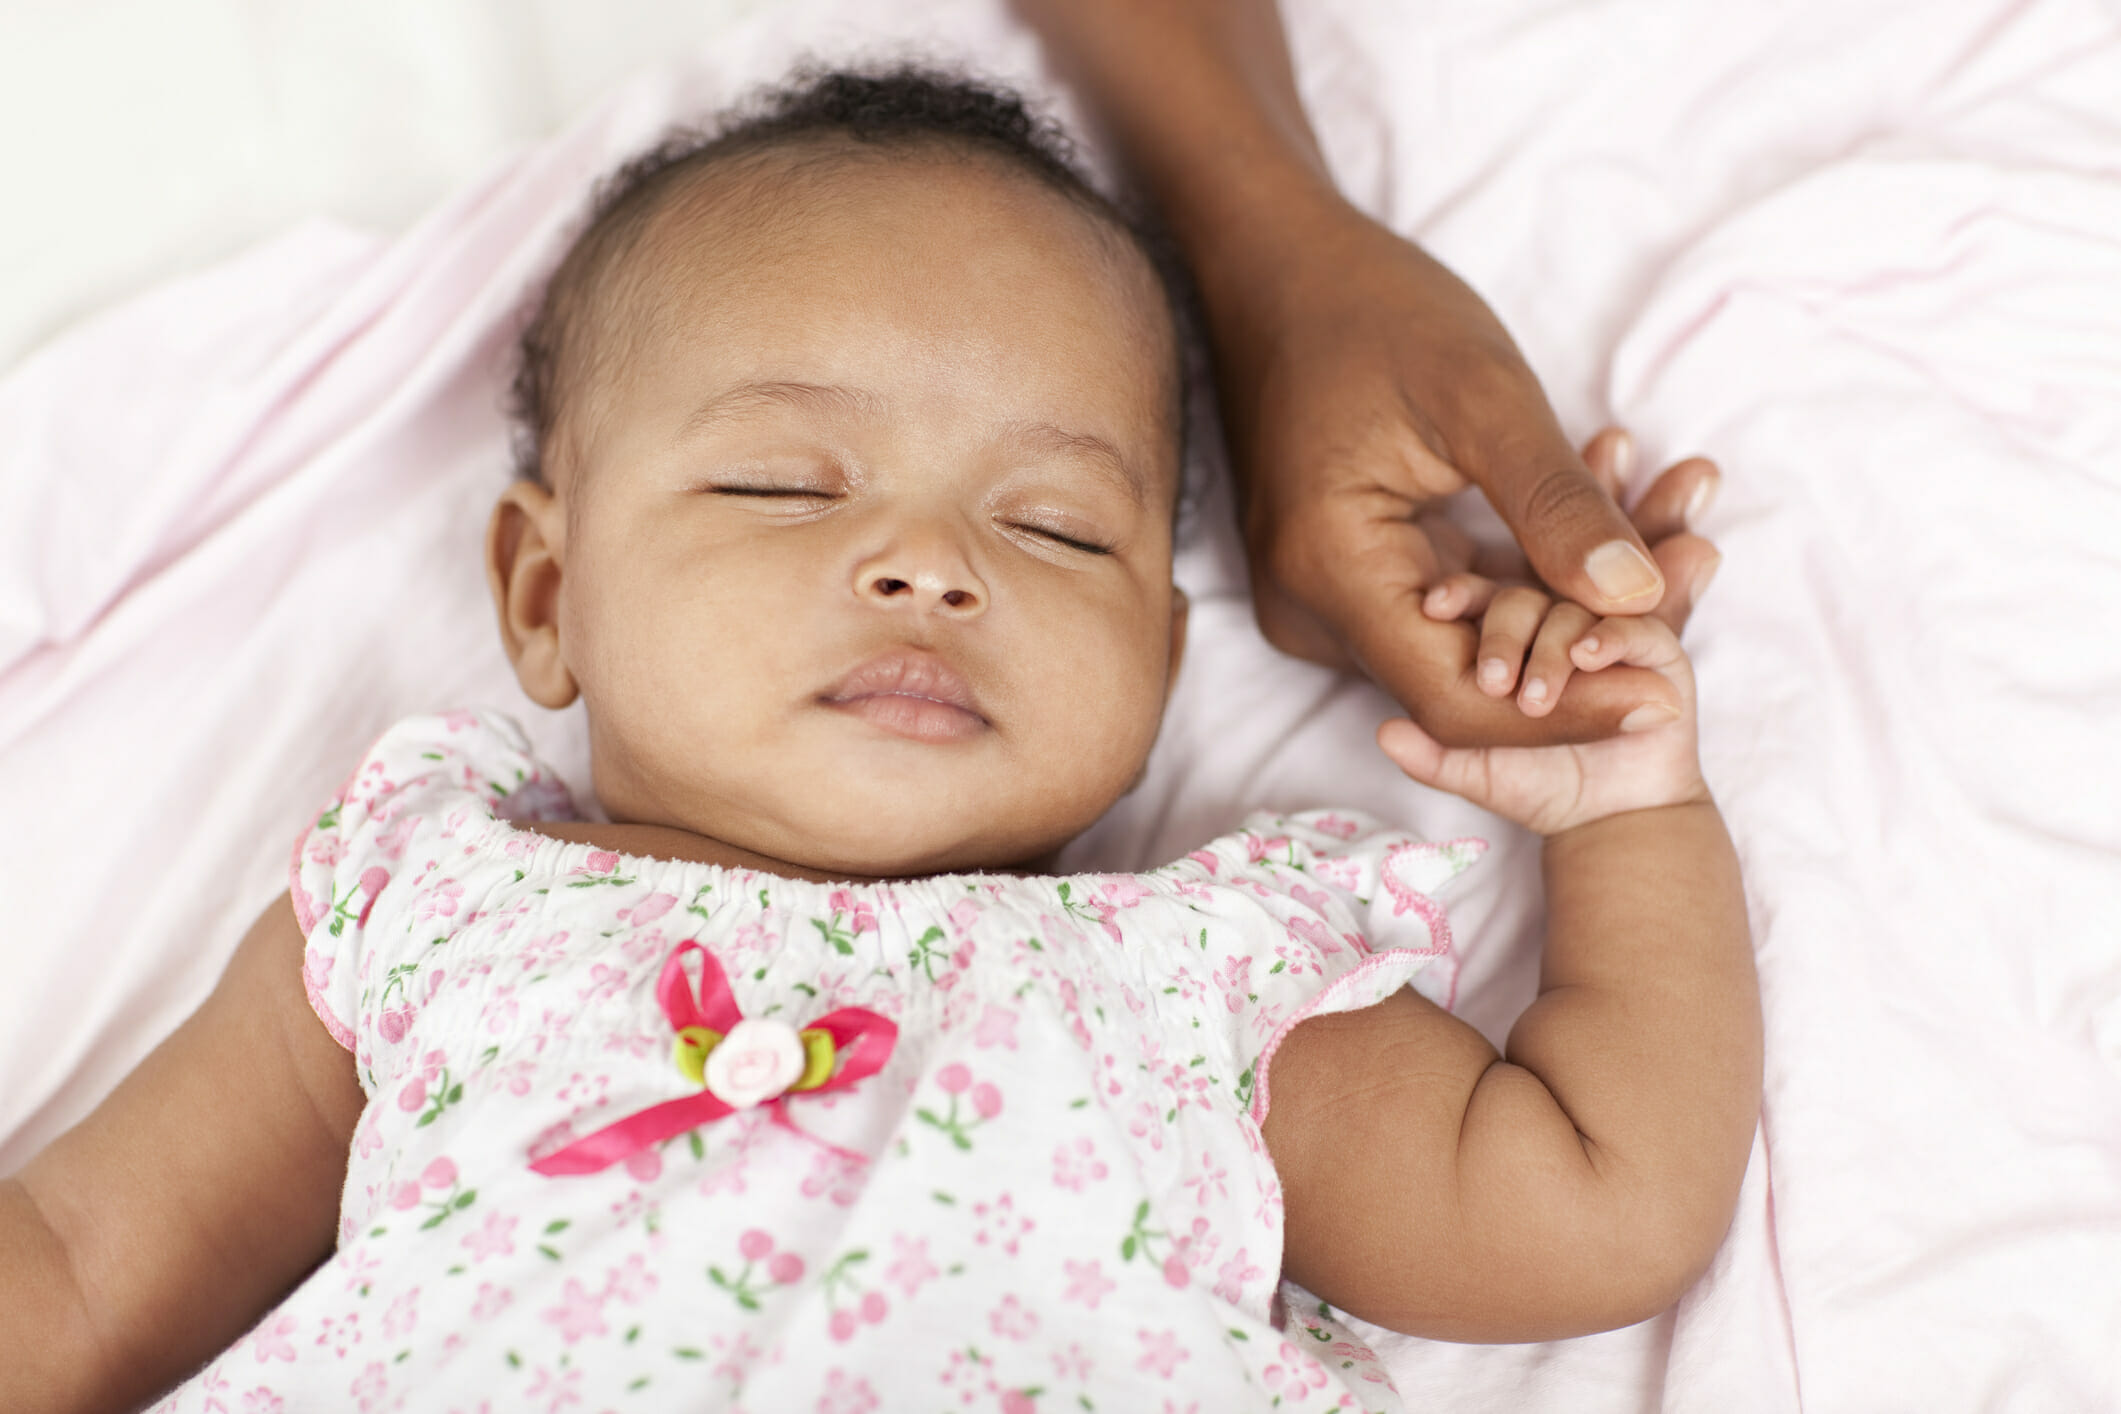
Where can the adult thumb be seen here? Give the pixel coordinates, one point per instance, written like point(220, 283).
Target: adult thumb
point(1578, 540)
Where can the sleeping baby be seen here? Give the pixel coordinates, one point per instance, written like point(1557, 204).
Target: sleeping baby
point(852, 441)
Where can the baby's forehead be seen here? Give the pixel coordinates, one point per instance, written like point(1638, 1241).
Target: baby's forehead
point(700, 254)
point(716, 223)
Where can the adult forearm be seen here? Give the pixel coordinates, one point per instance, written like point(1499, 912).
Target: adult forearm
point(1200, 97)
point(1647, 1027)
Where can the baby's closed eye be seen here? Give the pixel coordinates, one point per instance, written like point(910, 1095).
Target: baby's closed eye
point(1071, 537)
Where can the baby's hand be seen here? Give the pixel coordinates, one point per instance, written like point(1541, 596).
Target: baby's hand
point(1549, 789)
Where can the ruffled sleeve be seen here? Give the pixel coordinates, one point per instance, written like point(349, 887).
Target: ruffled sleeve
point(1354, 918)
point(361, 873)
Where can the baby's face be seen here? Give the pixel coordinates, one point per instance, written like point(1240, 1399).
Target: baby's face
point(861, 552)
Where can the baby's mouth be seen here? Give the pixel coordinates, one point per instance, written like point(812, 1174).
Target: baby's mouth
point(911, 693)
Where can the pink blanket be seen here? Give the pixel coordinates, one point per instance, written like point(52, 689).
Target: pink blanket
point(1869, 255)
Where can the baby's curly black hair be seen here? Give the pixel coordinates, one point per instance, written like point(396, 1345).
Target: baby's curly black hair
point(903, 106)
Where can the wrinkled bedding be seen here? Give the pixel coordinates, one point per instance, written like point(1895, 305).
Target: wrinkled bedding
point(1868, 256)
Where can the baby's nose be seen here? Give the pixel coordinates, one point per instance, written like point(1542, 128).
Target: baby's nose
point(926, 573)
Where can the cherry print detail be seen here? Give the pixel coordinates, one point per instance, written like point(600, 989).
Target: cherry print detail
point(852, 1306)
point(756, 1246)
point(982, 1098)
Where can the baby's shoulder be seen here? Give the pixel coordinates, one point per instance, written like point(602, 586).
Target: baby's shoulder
point(470, 758)
point(444, 776)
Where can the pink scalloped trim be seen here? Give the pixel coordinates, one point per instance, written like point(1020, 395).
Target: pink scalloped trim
point(306, 913)
point(1409, 958)
point(322, 1008)
point(308, 916)
point(1439, 927)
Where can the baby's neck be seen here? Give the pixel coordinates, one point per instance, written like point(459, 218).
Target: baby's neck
point(671, 842)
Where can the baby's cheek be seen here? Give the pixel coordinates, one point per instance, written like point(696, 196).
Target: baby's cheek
point(1096, 740)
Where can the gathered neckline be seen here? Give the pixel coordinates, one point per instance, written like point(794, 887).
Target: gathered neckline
point(501, 829)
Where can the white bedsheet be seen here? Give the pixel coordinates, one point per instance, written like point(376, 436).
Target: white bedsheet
point(1870, 256)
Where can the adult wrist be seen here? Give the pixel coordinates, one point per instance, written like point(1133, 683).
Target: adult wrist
point(1254, 230)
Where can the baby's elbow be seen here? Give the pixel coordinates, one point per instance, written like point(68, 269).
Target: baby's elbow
point(1658, 1248)
point(1593, 1261)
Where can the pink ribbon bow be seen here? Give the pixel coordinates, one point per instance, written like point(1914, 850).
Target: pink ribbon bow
point(839, 1049)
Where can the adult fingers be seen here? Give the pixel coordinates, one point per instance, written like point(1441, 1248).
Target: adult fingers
point(1334, 573)
point(1427, 666)
point(1644, 642)
point(1372, 586)
point(1689, 563)
point(1676, 500)
point(1579, 541)
point(1610, 455)
point(1501, 560)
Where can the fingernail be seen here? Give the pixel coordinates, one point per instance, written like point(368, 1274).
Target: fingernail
point(1623, 457)
point(1704, 575)
point(1648, 718)
point(1704, 496)
point(1535, 691)
point(1494, 672)
point(1621, 572)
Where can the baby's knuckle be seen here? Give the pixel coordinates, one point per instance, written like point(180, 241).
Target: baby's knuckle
point(1521, 599)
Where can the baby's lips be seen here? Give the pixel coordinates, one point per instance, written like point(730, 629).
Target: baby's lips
point(907, 672)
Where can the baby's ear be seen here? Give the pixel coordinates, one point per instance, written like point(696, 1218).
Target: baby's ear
point(524, 544)
point(1181, 609)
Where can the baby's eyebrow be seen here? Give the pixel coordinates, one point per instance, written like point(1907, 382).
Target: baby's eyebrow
point(830, 398)
point(835, 399)
point(1097, 451)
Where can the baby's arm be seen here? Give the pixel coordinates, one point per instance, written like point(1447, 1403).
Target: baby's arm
point(152, 1234)
point(1583, 1179)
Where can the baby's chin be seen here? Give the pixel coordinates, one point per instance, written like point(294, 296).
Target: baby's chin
point(874, 817)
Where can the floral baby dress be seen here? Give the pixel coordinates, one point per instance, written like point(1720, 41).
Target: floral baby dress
point(646, 1134)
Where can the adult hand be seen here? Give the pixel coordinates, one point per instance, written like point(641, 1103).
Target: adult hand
point(1362, 383)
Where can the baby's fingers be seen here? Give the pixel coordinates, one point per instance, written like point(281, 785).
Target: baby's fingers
point(1640, 641)
point(1547, 671)
point(1458, 596)
point(1513, 616)
point(1424, 759)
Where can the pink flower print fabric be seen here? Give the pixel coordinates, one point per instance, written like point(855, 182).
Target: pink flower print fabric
point(1053, 1194)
